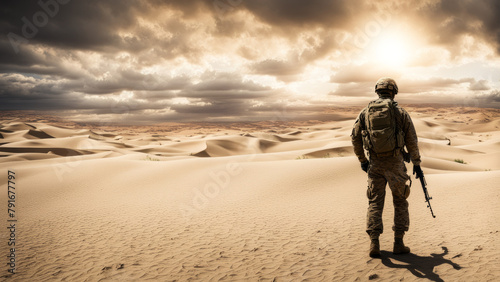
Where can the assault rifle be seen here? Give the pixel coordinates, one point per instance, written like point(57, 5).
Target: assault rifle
point(426, 194)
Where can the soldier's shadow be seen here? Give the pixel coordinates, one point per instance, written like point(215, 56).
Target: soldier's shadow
point(421, 267)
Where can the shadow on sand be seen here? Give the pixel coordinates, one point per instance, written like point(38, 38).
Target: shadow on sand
point(422, 267)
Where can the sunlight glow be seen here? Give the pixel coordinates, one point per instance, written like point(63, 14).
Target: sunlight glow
point(393, 49)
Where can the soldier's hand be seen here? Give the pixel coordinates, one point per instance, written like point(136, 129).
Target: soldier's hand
point(406, 156)
point(418, 171)
point(365, 165)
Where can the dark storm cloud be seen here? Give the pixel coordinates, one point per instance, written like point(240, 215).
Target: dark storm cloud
point(297, 13)
point(219, 94)
point(31, 61)
point(105, 27)
point(223, 94)
point(493, 96)
point(479, 85)
point(18, 92)
point(447, 20)
point(288, 69)
point(276, 13)
point(73, 24)
point(131, 80)
point(484, 99)
point(36, 93)
point(7, 58)
point(225, 82)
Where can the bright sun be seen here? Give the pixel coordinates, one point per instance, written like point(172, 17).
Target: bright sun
point(392, 49)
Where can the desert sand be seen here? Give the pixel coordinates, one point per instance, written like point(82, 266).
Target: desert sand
point(268, 201)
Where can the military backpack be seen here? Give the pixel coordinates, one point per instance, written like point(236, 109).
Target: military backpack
point(381, 134)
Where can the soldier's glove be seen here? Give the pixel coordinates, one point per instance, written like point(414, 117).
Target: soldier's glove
point(418, 171)
point(365, 165)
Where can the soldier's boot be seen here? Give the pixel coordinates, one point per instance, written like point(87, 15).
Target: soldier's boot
point(399, 246)
point(375, 248)
point(374, 244)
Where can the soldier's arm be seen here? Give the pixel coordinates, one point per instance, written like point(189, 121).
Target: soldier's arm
point(357, 138)
point(411, 139)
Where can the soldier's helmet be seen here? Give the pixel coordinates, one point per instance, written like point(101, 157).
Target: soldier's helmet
point(386, 83)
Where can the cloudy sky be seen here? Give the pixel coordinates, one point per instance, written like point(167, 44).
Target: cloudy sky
point(228, 60)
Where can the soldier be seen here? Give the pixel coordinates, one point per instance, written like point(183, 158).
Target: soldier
point(383, 129)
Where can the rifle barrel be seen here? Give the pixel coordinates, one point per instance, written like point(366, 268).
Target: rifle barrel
point(426, 194)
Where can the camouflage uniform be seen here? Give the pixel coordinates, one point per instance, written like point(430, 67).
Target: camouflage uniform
point(387, 169)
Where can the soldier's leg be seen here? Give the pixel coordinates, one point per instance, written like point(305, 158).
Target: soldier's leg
point(401, 215)
point(376, 197)
point(399, 184)
point(398, 179)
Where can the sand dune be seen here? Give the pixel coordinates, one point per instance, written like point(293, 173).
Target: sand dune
point(270, 202)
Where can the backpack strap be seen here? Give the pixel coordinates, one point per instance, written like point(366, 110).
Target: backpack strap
point(399, 126)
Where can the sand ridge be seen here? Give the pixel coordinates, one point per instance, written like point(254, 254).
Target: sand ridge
point(260, 201)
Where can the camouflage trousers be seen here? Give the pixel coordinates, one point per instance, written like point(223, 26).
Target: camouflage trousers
point(385, 170)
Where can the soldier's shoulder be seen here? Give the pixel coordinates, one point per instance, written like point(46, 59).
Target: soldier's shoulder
point(361, 116)
point(363, 111)
point(401, 109)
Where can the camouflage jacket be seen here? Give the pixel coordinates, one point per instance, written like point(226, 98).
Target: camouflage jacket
point(410, 135)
